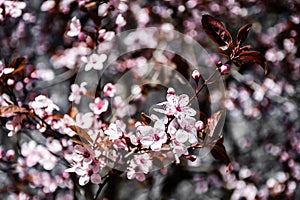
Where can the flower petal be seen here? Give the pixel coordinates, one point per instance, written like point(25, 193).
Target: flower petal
point(183, 100)
point(182, 136)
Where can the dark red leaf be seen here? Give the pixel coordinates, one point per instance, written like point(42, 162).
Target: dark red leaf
point(254, 56)
point(226, 50)
point(219, 152)
point(243, 33)
point(216, 30)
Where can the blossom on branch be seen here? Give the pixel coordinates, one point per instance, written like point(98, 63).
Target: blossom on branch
point(75, 27)
point(176, 106)
point(95, 61)
point(42, 105)
point(154, 137)
point(139, 166)
point(77, 92)
point(99, 106)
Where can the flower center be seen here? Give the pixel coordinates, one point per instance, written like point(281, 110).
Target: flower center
point(178, 108)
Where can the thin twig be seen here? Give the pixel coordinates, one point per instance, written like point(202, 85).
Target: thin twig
point(101, 186)
point(206, 82)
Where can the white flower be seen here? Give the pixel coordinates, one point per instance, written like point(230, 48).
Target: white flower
point(75, 27)
point(176, 106)
point(77, 92)
point(120, 21)
point(95, 61)
point(115, 130)
point(14, 9)
point(154, 137)
point(99, 106)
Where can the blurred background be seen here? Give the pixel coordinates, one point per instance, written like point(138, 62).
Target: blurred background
point(262, 127)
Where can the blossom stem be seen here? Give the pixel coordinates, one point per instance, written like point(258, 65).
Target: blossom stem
point(101, 186)
point(206, 82)
point(172, 145)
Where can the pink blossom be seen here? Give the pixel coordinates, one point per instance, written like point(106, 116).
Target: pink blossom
point(196, 75)
point(122, 108)
point(99, 106)
point(69, 57)
point(96, 178)
point(224, 69)
point(10, 154)
point(83, 154)
point(120, 21)
point(86, 165)
point(103, 9)
point(77, 92)
point(154, 137)
point(75, 27)
point(85, 120)
point(19, 196)
point(176, 106)
point(136, 92)
point(188, 131)
point(95, 61)
point(28, 151)
point(109, 90)
point(63, 125)
point(47, 5)
point(2, 18)
point(34, 154)
point(182, 136)
point(54, 145)
point(115, 130)
point(139, 166)
point(199, 125)
point(13, 8)
point(42, 105)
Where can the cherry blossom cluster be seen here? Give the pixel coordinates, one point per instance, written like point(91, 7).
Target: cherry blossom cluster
point(132, 147)
point(11, 9)
point(45, 142)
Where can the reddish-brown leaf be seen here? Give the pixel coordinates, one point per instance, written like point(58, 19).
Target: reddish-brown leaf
point(254, 56)
point(216, 30)
point(243, 33)
point(79, 142)
point(226, 50)
point(146, 120)
point(17, 63)
point(81, 133)
point(219, 152)
point(214, 123)
point(72, 111)
point(12, 109)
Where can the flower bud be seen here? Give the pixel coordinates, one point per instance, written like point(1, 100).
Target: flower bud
point(170, 91)
point(196, 75)
point(10, 154)
point(199, 125)
point(224, 69)
point(219, 64)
